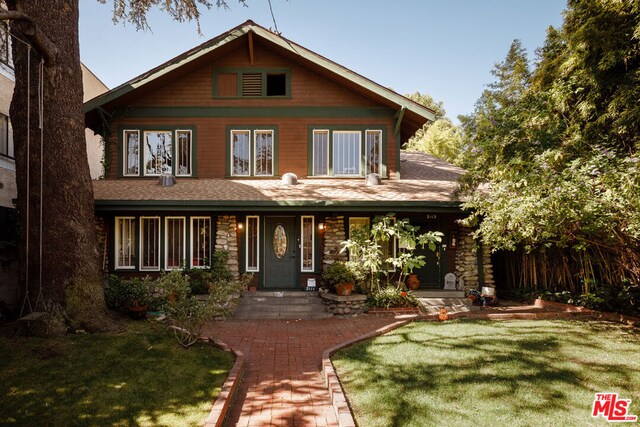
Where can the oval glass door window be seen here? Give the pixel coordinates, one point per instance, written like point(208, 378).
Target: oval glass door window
point(279, 241)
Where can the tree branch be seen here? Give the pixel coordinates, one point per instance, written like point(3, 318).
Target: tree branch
point(32, 32)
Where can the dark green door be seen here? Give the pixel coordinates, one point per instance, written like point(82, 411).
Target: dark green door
point(279, 252)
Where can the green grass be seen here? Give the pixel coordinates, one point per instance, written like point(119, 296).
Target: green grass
point(138, 378)
point(515, 373)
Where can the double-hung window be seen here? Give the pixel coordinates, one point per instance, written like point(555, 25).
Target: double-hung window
point(174, 242)
point(125, 242)
point(151, 152)
point(358, 225)
point(252, 152)
point(6, 137)
point(346, 152)
point(200, 241)
point(149, 243)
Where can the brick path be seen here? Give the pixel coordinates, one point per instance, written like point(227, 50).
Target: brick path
point(282, 384)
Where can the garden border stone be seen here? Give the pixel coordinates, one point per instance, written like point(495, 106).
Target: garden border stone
point(221, 405)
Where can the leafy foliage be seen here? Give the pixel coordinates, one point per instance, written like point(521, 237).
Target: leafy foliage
point(391, 296)
point(554, 151)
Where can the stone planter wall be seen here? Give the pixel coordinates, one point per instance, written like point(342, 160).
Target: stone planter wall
point(467, 261)
point(227, 240)
point(334, 234)
point(351, 306)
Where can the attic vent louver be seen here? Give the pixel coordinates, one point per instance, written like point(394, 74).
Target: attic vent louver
point(166, 180)
point(373, 179)
point(252, 84)
point(289, 179)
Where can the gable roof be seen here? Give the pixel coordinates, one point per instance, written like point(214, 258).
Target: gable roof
point(412, 114)
point(428, 185)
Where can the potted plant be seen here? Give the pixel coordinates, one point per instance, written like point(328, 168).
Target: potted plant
point(340, 277)
point(137, 293)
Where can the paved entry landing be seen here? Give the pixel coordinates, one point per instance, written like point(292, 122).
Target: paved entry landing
point(282, 384)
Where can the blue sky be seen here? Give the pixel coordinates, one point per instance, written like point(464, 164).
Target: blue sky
point(444, 48)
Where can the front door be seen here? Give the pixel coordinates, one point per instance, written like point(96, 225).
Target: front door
point(279, 252)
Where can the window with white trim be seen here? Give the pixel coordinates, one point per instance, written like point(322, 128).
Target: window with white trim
point(131, 157)
point(157, 152)
point(252, 243)
point(346, 152)
point(6, 137)
point(183, 153)
point(6, 58)
point(149, 243)
point(307, 243)
point(125, 242)
point(240, 152)
point(200, 241)
point(373, 151)
point(252, 152)
point(320, 152)
point(389, 248)
point(174, 242)
point(263, 152)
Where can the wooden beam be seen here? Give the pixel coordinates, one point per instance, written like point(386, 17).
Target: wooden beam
point(398, 116)
point(251, 59)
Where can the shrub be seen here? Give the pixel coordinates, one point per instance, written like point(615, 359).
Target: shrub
point(391, 296)
point(122, 293)
point(336, 273)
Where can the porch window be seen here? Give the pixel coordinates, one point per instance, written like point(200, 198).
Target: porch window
point(373, 151)
point(253, 243)
point(320, 152)
point(125, 243)
point(200, 242)
point(357, 223)
point(174, 242)
point(150, 243)
point(263, 143)
point(307, 240)
point(389, 249)
point(131, 153)
point(157, 152)
point(183, 153)
point(346, 153)
point(240, 152)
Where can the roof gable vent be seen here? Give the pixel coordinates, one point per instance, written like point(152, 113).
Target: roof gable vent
point(252, 84)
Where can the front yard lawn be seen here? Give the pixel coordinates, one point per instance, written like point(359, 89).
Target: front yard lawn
point(142, 377)
point(510, 373)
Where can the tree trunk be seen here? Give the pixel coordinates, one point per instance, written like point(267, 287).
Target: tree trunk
point(59, 253)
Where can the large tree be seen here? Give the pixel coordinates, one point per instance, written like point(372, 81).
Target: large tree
point(58, 246)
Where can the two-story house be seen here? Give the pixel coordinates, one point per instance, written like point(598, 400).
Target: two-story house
point(253, 144)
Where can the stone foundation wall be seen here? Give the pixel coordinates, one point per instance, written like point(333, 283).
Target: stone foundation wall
point(351, 306)
point(227, 240)
point(467, 262)
point(334, 234)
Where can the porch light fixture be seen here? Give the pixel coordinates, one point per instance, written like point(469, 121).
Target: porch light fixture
point(453, 240)
point(240, 226)
point(321, 226)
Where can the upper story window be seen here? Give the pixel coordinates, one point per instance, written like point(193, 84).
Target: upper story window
point(5, 46)
point(251, 83)
point(252, 152)
point(6, 137)
point(158, 151)
point(346, 152)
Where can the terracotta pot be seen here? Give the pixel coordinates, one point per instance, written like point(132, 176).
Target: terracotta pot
point(138, 312)
point(413, 282)
point(344, 289)
point(403, 294)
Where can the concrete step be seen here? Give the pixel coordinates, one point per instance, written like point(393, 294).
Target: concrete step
point(280, 305)
point(453, 305)
point(438, 293)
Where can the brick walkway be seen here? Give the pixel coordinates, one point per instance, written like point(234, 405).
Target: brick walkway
point(282, 384)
